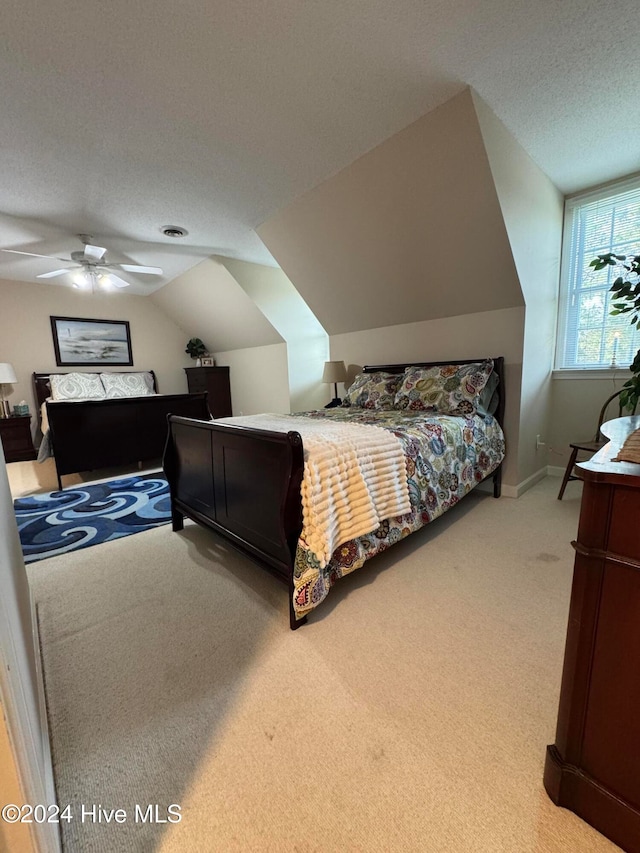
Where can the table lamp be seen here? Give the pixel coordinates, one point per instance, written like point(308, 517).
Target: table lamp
point(334, 372)
point(8, 377)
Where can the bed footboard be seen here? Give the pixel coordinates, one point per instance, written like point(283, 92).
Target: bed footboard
point(104, 433)
point(242, 483)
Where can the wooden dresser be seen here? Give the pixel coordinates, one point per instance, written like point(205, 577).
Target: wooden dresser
point(593, 768)
point(15, 433)
point(215, 381)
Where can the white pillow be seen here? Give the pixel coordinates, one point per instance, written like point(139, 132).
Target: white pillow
point(127, 384)
point(76, 386)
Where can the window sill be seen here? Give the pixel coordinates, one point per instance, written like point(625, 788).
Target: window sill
point(622, 373)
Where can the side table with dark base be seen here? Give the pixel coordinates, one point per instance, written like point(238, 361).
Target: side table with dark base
point(15, 434)
point(593, 766)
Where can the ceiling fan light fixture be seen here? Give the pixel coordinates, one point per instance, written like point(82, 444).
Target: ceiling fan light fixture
point(92, 260)
point(175, 231)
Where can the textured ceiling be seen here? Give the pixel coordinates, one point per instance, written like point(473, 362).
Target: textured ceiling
point(119, 118)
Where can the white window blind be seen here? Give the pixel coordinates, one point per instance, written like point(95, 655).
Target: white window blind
point(596, 223)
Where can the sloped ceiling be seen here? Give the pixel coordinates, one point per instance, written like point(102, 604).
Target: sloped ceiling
point(277, 298)
point(208, 303)
point(121, 117)
point(411, 231)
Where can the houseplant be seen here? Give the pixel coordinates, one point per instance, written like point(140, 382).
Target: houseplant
point(195, 348)
point(627, 301)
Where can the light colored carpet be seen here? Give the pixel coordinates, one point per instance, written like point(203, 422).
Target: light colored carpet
point(412, 713)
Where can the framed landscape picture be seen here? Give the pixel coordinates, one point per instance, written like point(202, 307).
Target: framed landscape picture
point(87, 343)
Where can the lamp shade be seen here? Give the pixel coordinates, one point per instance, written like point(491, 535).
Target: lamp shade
point(7, 374)
point(334, 371)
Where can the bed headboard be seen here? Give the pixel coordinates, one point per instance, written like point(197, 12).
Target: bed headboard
point(498, 367)
point(42, 388)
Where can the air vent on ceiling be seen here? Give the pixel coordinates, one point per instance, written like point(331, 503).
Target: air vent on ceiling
point(174, 231)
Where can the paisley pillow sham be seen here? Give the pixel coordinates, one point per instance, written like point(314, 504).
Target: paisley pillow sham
point(373, 391)
point(127, 384)
point(76, 386)
point(452, 389)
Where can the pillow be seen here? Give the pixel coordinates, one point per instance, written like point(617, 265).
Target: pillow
point(489, 397)
point(450, 389)
point(373, 390)
point(76, 386)
point(127, 384)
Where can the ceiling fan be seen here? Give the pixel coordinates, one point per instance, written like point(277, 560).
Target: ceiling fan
point(92, 265)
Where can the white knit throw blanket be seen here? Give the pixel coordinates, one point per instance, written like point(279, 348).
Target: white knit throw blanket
point(354, 477)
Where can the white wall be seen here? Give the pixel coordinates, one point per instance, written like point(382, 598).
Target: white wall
point(307, 342)
point(26, 341)
point(491, 333)
point(208, 303)
point(21, 694)
point(532, 208)
point(258, 378)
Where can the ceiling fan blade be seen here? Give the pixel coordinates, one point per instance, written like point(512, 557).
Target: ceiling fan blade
point(34, 255)
point(119, 282)
point(93, 253)
point(138, 268)
point(52, 274)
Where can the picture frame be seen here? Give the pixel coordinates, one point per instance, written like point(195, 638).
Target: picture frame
point(207, 361)
point(83, 342)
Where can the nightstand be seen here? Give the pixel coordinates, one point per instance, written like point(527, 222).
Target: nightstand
point(15, 434)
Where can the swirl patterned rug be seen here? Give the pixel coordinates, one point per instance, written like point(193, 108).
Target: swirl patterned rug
point(58, 522)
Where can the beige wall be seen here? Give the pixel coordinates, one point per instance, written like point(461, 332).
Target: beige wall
point(307, 341)
point(532, 208)
point(426, 247)
point(575, 406)
point(259, 380)
point(491, 333)
point(410, 231)
point(26, 341)
point(208, 303)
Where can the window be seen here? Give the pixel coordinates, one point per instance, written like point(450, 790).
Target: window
point(607, 220)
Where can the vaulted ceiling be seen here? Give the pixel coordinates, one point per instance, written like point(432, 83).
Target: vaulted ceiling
point(121, 118)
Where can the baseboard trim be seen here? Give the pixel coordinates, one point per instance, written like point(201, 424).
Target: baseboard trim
point(555, 471)
point(519, 489)
point(515, 491)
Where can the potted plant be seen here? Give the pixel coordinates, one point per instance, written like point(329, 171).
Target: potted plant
point(627, 295)
point(196, 349)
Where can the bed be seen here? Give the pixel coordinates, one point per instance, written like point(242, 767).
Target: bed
point(248, 483)
point(87, 434)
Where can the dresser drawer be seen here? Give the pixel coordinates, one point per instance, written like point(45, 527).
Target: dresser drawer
point(197, 383)
point(15, 433)
point(215, 381)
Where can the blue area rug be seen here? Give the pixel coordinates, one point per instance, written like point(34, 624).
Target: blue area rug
point(59, 522)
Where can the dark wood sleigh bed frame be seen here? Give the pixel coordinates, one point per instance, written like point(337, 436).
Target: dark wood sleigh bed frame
point(245, 483)
point(94, 434)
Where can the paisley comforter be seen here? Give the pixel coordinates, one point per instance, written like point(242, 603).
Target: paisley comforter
point(446, 456)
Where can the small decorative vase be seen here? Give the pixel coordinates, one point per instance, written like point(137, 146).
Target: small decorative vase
point(198, 362)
